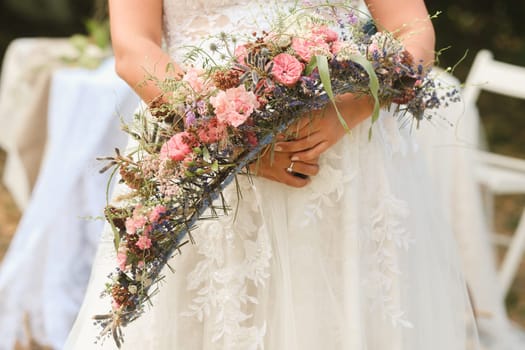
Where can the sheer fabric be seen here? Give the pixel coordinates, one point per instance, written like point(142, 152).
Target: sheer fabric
point(360, 259)
point(451, 157)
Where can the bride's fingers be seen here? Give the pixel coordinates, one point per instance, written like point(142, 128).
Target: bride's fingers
point(313, 161)
point(283, 176)
point(304, 128)
point(294, 181)
point(283, 170)
point(298, 145)
point(303, 168)
point(311, 154)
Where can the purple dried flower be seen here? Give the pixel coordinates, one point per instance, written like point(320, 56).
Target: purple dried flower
point(190, 117)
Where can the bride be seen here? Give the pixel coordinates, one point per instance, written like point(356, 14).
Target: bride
point(353, 255)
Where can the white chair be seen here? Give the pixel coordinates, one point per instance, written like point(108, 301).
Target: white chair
point(498, 174)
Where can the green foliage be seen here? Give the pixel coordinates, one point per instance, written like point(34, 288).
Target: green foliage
point(472, 25)
point(59, 10)
point(98, 32)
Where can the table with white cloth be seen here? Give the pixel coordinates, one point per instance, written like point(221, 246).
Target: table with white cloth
point(24, 92)
point(46, 269)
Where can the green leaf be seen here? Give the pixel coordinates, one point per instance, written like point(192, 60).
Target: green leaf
point(215, 166)
point(116, 237)
point(311, 66)
point(206, 154)
point(373, 82)
point(324, 75)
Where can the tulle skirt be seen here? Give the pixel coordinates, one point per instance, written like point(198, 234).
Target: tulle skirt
point(360, 259)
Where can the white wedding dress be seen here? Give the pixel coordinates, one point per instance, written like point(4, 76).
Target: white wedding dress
point(360, 259)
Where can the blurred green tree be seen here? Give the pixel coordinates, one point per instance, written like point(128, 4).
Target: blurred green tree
point(42, 10)
point(472, 25)
point(51, 18)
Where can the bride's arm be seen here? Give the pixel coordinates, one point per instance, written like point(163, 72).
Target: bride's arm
point(136, 34)
point(410, 22)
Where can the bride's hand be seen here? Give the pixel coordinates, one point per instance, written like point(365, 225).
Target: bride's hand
point(312, 136)
point(277, 167)
point(316, 133)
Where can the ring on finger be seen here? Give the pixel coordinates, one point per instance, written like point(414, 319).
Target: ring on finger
point(290, 167)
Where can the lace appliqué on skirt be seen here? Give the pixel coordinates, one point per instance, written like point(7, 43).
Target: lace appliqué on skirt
point(236, 253)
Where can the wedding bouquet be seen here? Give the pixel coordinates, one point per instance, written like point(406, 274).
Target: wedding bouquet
point(210, 124)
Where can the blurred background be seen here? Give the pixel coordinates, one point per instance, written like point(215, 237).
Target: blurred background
point(463, 28)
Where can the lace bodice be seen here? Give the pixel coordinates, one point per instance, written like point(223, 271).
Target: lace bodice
point(188, 22)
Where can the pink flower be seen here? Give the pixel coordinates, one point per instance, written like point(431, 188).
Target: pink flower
point(212, 132)
point(135, 223)
point(156, 212)
point(302, 48)
point(115, 305)
point(194, 78)
point(305, 48)
point(252, 138)
point(373, 48)
point(144, 242)
point(130, 226)
point(240, 53)
point(327, 34)
point(336, 47)
point(147, 230)
point(122, 258)
point(234, 105)
point(287, 69)
point(176, 148)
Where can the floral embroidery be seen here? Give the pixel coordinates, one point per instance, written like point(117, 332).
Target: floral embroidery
point(221, 282)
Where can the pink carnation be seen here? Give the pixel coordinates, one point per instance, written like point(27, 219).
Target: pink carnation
point(305, 48)
point(144, 242)
point(147, 230)
point(122, 258)
point(234, 105)
point(176, 148)
point(240, 53)
point(156, 212)
point(336, 47)
point(327, 34)
point(287, 69)
point(212, 131)
point(194, 78)
point(115, 305)
point(130, 226)
point(302, 48)
point(135, 223)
